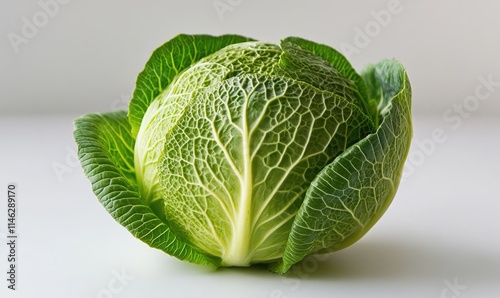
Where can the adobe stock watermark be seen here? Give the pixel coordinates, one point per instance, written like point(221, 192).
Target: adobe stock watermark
point(222, 7)
point(121, 103)
point(30, 26)
point(364, 35)
point(454, 117)
point(116, 284)
point(71, 162)
point(298, 273)
point(67, 166)
point(452, 289)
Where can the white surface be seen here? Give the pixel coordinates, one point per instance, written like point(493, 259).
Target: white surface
point(442, 226)
point(86, 56)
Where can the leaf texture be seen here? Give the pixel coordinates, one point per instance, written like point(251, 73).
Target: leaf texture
point(166, 63)
point(349, 195)
point(105, 150)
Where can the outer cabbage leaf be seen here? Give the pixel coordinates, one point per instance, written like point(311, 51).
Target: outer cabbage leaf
point(105, 150)
point(334, 58)
point(166, 63)
point(349, 195)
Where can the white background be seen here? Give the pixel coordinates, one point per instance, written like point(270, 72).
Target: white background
point(442, 228)
point(89, 53)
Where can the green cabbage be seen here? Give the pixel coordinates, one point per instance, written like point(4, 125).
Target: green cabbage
point(236, 152)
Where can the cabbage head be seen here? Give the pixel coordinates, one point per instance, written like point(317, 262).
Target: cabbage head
point(237, 152)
